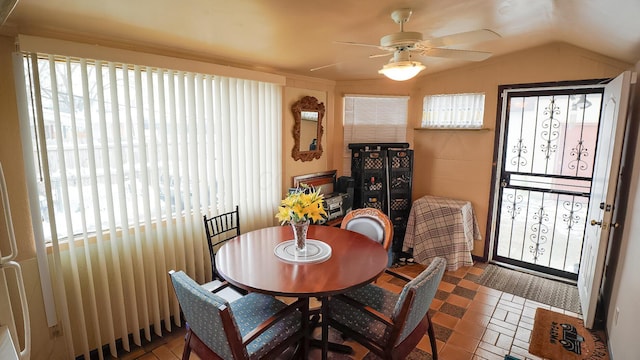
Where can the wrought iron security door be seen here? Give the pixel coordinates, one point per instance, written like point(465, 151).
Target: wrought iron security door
point(548, 149)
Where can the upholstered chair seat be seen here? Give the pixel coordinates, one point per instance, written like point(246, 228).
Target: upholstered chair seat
point(222, 289)
point(252, 310)
point(381, 300)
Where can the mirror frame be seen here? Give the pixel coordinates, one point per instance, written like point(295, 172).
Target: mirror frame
point(307, 103)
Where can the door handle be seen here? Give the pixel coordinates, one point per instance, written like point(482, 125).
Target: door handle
point(594, 223)
point(506, 178)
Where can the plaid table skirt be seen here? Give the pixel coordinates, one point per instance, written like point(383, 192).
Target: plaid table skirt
point(442, 227)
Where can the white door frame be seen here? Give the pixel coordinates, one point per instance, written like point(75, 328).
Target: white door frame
point(603, 193)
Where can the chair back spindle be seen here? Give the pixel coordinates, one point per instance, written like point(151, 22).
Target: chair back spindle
point(220, 229)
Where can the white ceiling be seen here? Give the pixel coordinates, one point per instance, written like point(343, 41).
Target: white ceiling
point(293, 36)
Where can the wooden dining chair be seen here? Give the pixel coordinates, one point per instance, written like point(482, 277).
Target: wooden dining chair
point(388, 324)
point(256, 326)
point(220, 229)
point(374, 224)
point(370, 222)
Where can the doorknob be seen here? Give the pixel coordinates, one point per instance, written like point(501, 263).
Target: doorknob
point(594, 223)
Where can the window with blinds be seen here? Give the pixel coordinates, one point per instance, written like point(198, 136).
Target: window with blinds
point(122, 144)
point(126, 160)
point(453, 111)
point(370, 119)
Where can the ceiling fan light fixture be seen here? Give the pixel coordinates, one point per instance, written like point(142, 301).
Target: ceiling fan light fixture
point(401, 70)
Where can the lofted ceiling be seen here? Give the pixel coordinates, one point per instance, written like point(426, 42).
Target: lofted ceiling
point(295, 36)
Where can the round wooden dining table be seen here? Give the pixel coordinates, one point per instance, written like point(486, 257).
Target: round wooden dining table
point(250, 262)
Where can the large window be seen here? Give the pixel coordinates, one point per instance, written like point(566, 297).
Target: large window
point(126, 144)
point(126, 161)
point(373, 119)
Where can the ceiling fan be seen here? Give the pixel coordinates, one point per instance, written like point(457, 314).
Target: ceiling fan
point(404, 45)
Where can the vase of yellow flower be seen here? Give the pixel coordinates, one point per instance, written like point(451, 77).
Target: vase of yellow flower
point(301, 207)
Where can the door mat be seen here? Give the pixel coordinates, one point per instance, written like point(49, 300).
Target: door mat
point(559, 336)
point(550, 292)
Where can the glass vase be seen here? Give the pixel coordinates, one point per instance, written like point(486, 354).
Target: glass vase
point(300, 234)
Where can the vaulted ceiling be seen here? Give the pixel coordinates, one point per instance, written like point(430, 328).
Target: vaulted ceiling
point(296, 36)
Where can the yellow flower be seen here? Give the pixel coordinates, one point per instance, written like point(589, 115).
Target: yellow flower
point(304, 203)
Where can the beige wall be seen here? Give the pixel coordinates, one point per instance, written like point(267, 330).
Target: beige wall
point(447, 163)
point(458, 164)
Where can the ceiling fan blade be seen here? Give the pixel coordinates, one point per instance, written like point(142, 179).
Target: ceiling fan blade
point(380, 55)
point(460, 38)
point(468, 55)
point(358, 44)
point(325, 66)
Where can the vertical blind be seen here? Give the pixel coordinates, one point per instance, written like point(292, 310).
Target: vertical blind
point(130, 159)
point(368, 119)
point(453, 111)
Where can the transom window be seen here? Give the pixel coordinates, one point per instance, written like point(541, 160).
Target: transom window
point(453, 111)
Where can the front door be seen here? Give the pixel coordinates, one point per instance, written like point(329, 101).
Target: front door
point(603, 189)
point(548, 141)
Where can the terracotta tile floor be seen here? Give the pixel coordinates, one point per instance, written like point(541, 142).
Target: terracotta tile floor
point(471, 322)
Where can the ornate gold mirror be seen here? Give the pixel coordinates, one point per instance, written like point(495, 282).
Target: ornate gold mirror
point(307, 130)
